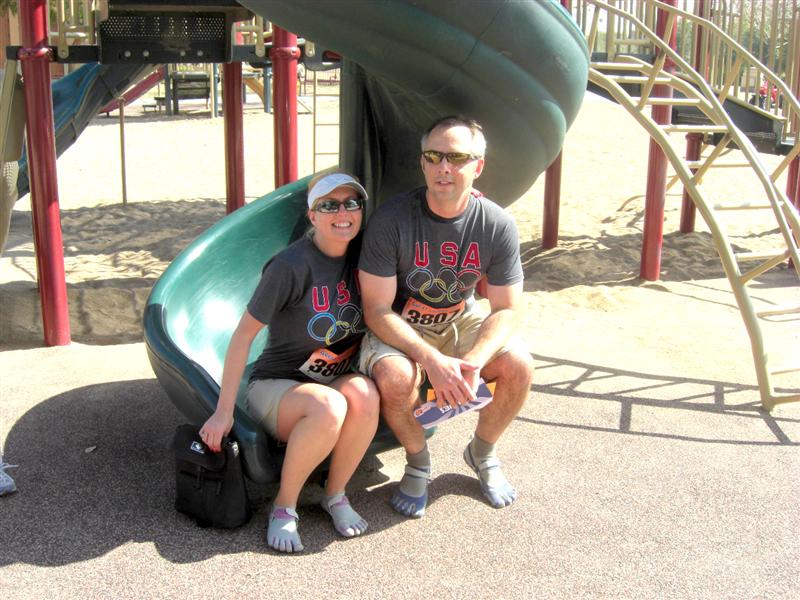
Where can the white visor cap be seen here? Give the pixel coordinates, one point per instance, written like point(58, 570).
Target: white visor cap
point(330, 182)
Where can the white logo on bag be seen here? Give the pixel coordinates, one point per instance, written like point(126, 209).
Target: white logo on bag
point(197, 447)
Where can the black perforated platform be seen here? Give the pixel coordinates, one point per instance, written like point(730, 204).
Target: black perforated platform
point(168, 33)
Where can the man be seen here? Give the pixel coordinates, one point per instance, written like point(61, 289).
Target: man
point(423, 255)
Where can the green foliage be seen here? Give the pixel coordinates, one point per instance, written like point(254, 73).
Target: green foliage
point(761, 17)
point(11, 5)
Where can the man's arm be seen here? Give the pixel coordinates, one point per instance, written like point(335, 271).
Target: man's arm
point(505, 302)
point(444, 372)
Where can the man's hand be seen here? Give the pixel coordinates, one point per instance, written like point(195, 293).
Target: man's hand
point(473, 378)
point(218, 425)
point(453, 380)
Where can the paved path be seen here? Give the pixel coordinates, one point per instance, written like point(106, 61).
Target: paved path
point(631, 485)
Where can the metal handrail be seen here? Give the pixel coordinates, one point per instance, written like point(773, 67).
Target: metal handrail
point(68, 15)
point(791, 105)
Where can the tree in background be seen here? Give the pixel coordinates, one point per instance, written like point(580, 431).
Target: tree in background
point(762, 19)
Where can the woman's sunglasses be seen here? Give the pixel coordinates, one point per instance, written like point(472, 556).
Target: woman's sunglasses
point(454, 158)
point(332, 206)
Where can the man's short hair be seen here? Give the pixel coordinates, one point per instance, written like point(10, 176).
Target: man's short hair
point(478, 139)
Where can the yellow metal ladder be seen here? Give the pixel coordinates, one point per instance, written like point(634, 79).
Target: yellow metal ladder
point(321, 126)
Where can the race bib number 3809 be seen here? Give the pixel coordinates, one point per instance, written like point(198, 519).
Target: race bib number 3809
point(324, 366)
point(420, 314)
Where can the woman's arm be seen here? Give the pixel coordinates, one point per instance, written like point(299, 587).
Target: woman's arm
point(220, 423)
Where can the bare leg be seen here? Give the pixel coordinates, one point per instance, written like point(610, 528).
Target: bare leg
point(310, 417)
point(398, 380)
point(357, 432)
point(513, 374)
point(354, 439)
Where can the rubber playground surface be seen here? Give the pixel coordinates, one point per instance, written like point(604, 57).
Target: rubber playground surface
point(644, 464)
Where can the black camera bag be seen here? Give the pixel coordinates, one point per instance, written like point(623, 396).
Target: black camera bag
point(209, 486)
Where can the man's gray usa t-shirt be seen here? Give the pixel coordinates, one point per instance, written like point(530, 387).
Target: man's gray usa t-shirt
point(439, 261)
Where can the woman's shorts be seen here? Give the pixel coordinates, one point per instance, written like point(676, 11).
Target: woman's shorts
point(454, 339)
point(263, 399)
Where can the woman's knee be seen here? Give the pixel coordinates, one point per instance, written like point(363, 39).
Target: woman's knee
point(328, 410)
point(363, 399)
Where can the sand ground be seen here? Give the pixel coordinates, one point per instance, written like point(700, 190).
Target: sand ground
point(645, 464)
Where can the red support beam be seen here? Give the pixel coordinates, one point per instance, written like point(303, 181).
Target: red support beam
point(652, 238)
point(694, 145)
point(552, 203)
point(699, 37)
point(35, 59)
point(793, 175)
point(694, 141)
point(284, 55)
point(793, 188)
point(793, 182)
point(552, 191)
point(232, 98)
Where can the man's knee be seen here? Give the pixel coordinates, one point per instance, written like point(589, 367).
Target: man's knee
point(397, 378)
point(515, 366)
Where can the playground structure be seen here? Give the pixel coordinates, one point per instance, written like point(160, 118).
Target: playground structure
point(189, 365)
point(708, 92)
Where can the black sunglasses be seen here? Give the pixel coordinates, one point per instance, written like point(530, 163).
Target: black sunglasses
point(454, 158)
point(332, 206)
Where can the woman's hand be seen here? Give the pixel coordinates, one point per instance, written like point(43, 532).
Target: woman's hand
point(218, 425)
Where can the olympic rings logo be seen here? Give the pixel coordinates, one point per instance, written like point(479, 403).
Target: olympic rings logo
point(447, 284)
point(324, 327)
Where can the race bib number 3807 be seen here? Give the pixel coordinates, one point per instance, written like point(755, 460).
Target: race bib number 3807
point(420, 314)
point(324, 366)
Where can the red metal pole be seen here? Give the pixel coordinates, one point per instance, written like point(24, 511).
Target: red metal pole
point(793, 182)
point(793, 176)
point(234, 135)
point(694, 140)
point(699, 37)
point(284, 55)
point(793, 189)
point(552, 191)
point(657, 172)
point(694, 143)
point(552, 201)
point(35, 57)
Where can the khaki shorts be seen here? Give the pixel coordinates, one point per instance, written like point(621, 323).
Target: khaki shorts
point(263, 399)
point(454, 339)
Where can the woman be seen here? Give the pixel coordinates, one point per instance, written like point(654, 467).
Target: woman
point(301, 388)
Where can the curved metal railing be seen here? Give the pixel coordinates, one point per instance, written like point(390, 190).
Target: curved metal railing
point(672, 70)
